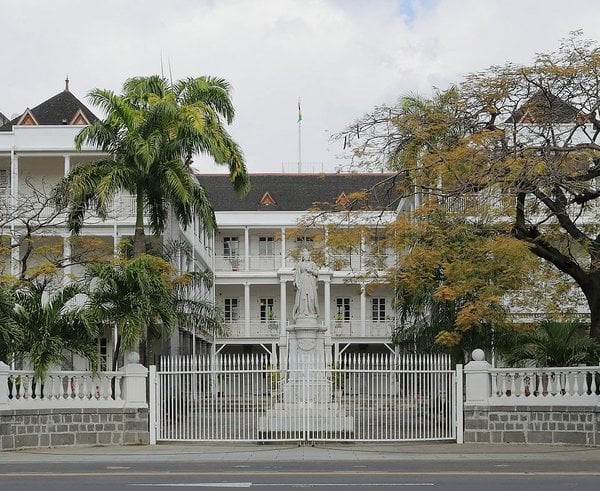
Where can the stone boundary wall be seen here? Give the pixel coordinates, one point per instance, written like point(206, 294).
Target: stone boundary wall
point(532, 424)
point(40, 428)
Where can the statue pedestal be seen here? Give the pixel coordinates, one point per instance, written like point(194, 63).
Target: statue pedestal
point(306, 408)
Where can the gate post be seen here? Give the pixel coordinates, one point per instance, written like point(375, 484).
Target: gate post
point(152, 382)
point(459, 405)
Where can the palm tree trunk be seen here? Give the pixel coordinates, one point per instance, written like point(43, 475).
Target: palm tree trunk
point(139, 239)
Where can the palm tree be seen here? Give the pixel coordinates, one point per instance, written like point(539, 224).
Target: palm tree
point(10, 332)
point(146, 299)
point(554, 344)
point(52, 324)
point(133, 296)
point(150, 133)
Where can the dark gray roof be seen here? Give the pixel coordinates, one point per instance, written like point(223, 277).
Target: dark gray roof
point(300, 192)
point(545, 108)
point(58, 110)
point(3, 119)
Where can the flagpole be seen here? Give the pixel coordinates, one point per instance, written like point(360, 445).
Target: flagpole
point(299, 138)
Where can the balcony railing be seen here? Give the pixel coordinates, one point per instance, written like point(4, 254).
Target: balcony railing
point(124, 207)
point(339, 329)
point(257, 329)
point(353, 329)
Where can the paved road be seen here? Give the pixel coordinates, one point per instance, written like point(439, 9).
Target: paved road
point(324, 467)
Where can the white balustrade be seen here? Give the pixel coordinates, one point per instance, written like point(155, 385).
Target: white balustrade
point(65, 389)
point(564, 386)
point(557, 386)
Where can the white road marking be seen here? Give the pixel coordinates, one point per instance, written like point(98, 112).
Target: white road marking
point(249, 484)
point(198, 485)
point(116, 467)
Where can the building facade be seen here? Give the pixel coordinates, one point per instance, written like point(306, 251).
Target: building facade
point(37, 149)
point(252, 255)
point(259, 241)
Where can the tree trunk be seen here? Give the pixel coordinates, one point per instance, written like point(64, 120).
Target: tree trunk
point(139, 238)
point(592, 293)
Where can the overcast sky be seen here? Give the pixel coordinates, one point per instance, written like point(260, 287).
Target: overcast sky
point(341, 57)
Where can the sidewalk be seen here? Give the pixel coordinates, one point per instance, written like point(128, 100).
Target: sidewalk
point(292, 453)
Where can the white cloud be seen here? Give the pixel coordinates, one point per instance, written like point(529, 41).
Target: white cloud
point(340, 57)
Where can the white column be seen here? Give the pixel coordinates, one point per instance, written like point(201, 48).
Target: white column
point(327, 300)
point(247, 308)
point(246, 249)
point(67, 255)
point(14, 195)
point(283, 247)
point(361, 252)
point(67, 161)
point(282, 307)
point(363, 310)
point(14, 178)
point(116, 228)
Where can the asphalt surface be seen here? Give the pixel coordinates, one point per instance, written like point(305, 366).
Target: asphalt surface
point(324, 466)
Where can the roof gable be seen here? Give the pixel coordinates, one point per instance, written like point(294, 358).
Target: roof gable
point(62, 109)
point(267, 200)
point(544, 108)
point(27, 119)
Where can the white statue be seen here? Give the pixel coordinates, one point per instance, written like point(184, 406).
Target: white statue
point(305, 281)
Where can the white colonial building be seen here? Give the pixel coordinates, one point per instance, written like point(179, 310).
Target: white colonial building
point(259, 240)
point(251, 255)
point(36, 150)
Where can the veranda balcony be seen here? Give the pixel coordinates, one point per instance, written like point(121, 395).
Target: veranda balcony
point(256, 329)
point(336, 262)
point(339, 329)
point(354, 328)
point(34, 205)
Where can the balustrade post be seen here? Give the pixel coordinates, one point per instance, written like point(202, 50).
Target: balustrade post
point(477, 380)
point(134, 382)
point(4, 372)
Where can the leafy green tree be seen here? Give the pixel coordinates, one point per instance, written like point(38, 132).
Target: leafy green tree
point(520, 142)
point(451, 278)
point(554, 344)
point(150, 133)
point(146, 299)
point(53, 323)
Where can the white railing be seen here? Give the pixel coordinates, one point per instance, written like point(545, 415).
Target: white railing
point(256, 329)
point(264, 263)
point(339, 329)
point(124, 207)
point(353, 328)
point(352, 262)
point(20, 389)
point(254, 398)
point(555, 386)
point(229, 263)
point(64, 389)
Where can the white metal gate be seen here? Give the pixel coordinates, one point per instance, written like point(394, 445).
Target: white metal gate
point(251, 398)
